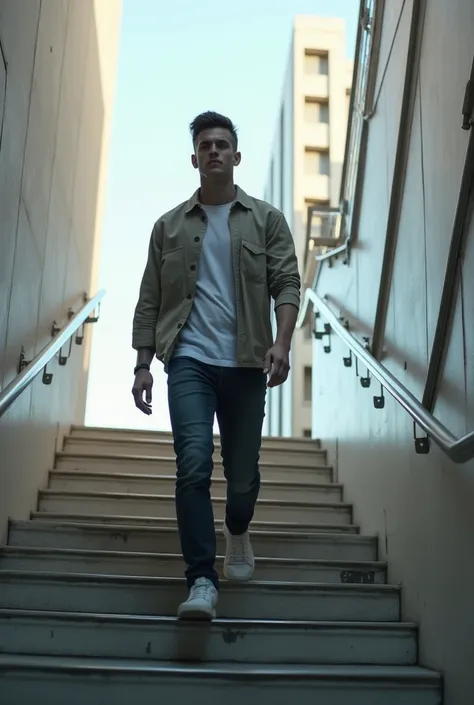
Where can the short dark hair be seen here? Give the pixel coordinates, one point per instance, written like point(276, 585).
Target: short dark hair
point(208, 120)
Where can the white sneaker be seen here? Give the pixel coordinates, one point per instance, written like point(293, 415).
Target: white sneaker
point(239, 561)
point(201, 601)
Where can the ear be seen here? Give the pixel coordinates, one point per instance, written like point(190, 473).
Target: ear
point(237, 158)
point(194, 161)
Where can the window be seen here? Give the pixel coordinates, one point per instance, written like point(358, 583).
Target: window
point(323, 66)
point(307, 433)
point(316, 62)
point(316, 161)
point(316, 110)
point(307, 384)
point(323, 202)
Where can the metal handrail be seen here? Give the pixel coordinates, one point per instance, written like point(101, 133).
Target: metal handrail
point(18, 385)
point(458, 450)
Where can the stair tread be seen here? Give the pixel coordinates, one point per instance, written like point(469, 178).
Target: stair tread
point(218, 623)
point(231, 670)
point(125, 528)
point(225, 585)
point(82, 455)
point(93, 553)
point(74, 474)
point(170, 497)
point(166, 436)
point(120, 518)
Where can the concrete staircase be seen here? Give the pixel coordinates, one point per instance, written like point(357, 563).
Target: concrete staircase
point(89, 589)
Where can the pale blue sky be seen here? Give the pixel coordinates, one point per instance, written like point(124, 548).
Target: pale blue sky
point(173, 64)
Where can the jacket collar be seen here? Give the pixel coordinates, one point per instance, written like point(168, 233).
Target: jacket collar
point(240, 197)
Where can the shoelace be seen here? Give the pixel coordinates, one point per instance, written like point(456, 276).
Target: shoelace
point(201, 591)
point(238, 550)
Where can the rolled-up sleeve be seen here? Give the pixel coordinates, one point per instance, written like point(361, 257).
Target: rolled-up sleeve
point(149, 299)
point(284, 281)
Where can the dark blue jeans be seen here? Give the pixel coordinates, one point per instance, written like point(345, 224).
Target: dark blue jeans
point(236, 396)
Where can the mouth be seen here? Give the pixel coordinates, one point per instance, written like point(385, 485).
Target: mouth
point(215, 162)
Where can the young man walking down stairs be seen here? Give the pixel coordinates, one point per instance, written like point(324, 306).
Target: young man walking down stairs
point(214, 263)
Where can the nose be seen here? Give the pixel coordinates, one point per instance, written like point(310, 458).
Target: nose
point(213, 152)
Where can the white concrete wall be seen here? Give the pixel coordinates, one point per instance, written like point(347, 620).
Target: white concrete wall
point(60, 58)
point(420, 506)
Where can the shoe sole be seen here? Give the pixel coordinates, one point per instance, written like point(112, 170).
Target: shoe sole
point(197, 615)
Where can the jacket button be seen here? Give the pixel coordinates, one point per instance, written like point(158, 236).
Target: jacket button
point(193, 267)
point(189, 296)
point(180, 325)
point(196, 239)
point(203, 218)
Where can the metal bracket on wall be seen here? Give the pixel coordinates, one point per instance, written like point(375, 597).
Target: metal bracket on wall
point(22, 361)
point(379, 402)
point(347, 360)
point(364, 381)
point(62, 359)
point(47, 377)
point(320, 334)
point(90, 319)
point(423, 444)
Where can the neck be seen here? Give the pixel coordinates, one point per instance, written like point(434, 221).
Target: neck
point(216, 194)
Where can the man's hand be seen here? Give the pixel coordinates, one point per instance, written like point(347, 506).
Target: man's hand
point(277, 364)
point(143, 385)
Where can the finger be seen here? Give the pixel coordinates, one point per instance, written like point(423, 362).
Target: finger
point(148, 394)
point(279, 374)
point(267, 365)
point(143, 406)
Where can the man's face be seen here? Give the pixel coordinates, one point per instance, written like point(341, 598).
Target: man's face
point(214, 154)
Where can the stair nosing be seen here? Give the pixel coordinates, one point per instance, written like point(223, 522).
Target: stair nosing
point(44, 493)
point(38, 516)
point(217, 622)
point(257, 672)
point(136, 555)
point(144, 477)
point(69, 576)
point(123, 528)
point(60, 455)
point(313, 444)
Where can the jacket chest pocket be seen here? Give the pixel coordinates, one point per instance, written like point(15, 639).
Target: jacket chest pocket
point(172, 270)
point(253, 262)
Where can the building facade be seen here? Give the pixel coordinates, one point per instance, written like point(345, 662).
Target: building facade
point(305, 169)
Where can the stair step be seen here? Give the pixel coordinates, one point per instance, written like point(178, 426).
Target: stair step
point(115, 594)
point(162, 505)
point(87, 481)
point(128, 537)
point(143, 464)
point(158, 522)
point(127, 434)
point(172, 565)
point(88, 444)
point(54, 679)
point(243, 641)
